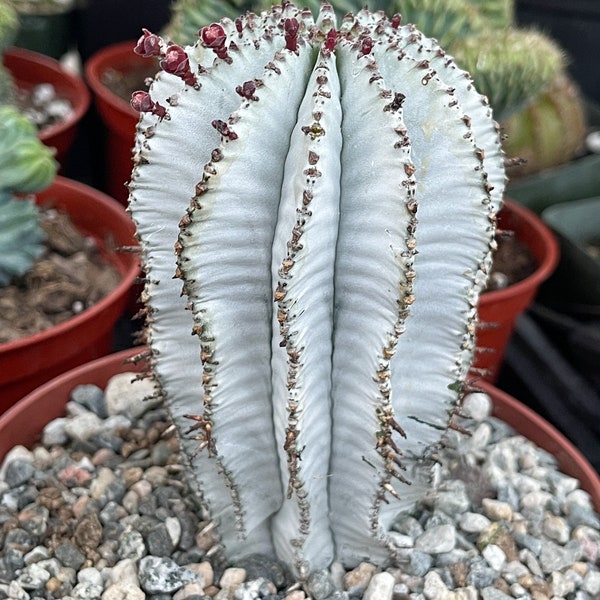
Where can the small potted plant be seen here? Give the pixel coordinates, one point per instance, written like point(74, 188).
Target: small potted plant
point(54, 99)
point(45, 26)
point(28, 184)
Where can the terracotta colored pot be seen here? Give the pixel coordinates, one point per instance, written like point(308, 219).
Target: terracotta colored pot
point(23, 423)
point(27, 363)
point(29, 68)
point(499, 310)
point(117, 115)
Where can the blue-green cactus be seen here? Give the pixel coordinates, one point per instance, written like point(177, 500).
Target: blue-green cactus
point(26, 166)
point(331, 194)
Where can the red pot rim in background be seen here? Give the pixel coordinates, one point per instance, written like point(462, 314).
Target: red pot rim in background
point(119, 56)
point(24, 422)
point(29, 68)
point(499, 309)
point(24, 361)
point(545, 250)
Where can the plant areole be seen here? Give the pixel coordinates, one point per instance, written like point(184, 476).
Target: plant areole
point(331, 195)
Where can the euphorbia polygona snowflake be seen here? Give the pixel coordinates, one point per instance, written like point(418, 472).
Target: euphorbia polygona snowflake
point(328, 197)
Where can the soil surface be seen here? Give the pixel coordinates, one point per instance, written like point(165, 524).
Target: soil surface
point(69, 277)
point(513, 262)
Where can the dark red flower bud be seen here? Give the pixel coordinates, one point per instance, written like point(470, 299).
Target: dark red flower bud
point(214, 37)
point(367, 45)
point(331, 40)
point(176, 62)
point(246, 90)
point(148, 45)
point(291, 34)
point(396, 20)
point(142, 102)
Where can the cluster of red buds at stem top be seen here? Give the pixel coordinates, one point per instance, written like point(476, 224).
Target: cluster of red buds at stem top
point(174, 59)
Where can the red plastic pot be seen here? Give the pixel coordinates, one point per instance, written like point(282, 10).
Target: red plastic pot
point(27, 363)
point(29, 68)
point(23, 423)
point(117, 115)
point(499, 310)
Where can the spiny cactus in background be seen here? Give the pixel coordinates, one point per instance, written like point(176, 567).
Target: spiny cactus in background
point(331, 195)
point(450, 20)
point(26, 166)
point(512, 65)
point(189, 16)
point(9, 26)
point(549, 130)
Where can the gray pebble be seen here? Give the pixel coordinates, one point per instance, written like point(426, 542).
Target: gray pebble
point(320, 584)
point(92, 397)
point(159, 575)
point(33, 577)
point(436, 540)
point(54, 433)
point(18, 472)
point(69, 555)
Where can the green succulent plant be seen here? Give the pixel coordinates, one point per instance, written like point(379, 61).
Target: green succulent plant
point(26, 166)
point(328, 195)
point(9, 26)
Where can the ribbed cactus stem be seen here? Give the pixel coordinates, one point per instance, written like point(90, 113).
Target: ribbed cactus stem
point(336, 192)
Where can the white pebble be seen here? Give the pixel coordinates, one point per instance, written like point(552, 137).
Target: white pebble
point(381, 587)
point(124, 394)
point(477, 405)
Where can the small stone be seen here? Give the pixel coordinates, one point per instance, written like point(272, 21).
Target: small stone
point(451, 498)
point(496, 510)
point(37, 554)
point(295, 595)
point(87, 591)
point(437, 540)
point(173, 527)
point(480, 575)
point(18, 472)
point(319, 584)
point(123, 591)
point(419, 563)
point(477, 406)
point(127, 395)
point(434, 587)
point(92, 397)
point(69, 555)
point(493, 593)
point(159, 542)
point(480, 437)
point(84, 426)
point(494, 556)
point(131, 544)
point(232, 577)
point(124, 571)
point(205, 572)
point(381, 587)
point(556, 529)
point(591, 583)
point(473, 522)
point(355, 582)
point(54, 433)
point(556, 558)
point(33, 577)
point(162, 575)
point(189, 591)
